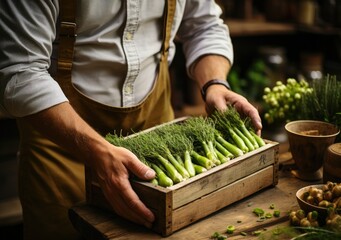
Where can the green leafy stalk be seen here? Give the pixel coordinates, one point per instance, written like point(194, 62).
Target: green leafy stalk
point(153, 148)
point(189, 164)
point(223, 150)
point(179, 159)
point(224, 126)
point(199, 169)
point(247, 142)
point(163, 179)
point(221, 157)
point(207, 150)
point(238, 140)
point(171, 170)
point(232, 115)
point(248, 134)
point(201, 132)
point(177, 143)
point(201, 160)
point(259, 139)
point(230, 147)
point(215, 158)
point(181, 169)
point(155, 182)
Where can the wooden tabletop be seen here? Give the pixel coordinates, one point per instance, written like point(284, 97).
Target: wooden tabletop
point(94, 223)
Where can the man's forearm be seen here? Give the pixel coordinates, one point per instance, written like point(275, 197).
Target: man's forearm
point(210, 67)
point(62, 125)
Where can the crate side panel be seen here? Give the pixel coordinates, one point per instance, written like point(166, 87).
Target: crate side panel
point(222, 175)
point(276, 166)
point(160, 203)
point(157, 199)
point(221, 198)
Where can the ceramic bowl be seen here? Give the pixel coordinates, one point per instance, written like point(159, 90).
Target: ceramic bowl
point(308, 142)
point(307, 207)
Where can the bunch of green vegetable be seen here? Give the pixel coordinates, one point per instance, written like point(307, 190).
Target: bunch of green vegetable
point(180, 151)
point(319, 99)
point(323, 103)
point(283, 102)
point(236, 131)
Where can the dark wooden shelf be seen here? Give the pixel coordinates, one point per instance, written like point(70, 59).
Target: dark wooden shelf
point(320, 30)
point(248, 28)
point(257, 28)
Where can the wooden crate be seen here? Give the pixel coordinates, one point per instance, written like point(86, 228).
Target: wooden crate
point(191, 200)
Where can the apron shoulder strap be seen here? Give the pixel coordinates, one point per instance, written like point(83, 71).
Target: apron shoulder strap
point(168, 22)
point(67, 34)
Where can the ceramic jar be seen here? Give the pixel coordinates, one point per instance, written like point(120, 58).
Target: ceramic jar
point(332, 164)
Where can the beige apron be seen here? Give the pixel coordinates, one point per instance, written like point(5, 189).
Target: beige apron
point(50, 179)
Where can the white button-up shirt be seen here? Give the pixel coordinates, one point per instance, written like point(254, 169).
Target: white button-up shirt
point(117, 49)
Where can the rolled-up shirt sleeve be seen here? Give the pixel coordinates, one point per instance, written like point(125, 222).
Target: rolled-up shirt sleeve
point(27, 33)
point(203, 32)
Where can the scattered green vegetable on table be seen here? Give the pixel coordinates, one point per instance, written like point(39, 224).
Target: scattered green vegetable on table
point(261, 216)
point(230, 229)
point(180, 151)
point(259, 212)
point(277, 213)
point(218, 236)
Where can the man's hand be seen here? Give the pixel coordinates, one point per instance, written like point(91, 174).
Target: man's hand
point(218, 97)
point(112, 168)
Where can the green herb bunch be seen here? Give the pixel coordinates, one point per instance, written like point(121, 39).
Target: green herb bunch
point(324, 102)
point(283, 102)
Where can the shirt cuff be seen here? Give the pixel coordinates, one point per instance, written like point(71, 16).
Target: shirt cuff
point(31, 95)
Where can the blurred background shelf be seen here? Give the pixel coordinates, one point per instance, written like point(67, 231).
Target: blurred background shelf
point(246, 28)
point(286, 38)
point(251, 28)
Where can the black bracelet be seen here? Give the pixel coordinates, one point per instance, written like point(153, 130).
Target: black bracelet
point(212, 82)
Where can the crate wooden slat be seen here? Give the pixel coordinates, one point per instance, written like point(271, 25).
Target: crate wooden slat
point(220, 198)
point(184, 203)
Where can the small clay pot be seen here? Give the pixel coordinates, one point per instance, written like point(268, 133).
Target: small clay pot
point(308, 142)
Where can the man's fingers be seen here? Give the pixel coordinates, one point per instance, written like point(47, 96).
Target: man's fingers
point(133, 202)
point(139, 169)
point(127, 204)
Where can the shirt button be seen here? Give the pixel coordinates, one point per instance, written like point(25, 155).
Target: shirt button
point(128, 89)
point(129, 36)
